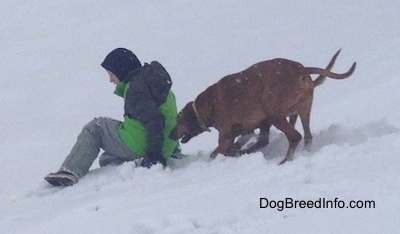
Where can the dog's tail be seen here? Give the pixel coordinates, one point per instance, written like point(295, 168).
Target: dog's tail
point(321, 78)
point(324, 72)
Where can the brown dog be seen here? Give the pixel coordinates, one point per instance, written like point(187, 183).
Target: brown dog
point(263, 136)
point(258, 97)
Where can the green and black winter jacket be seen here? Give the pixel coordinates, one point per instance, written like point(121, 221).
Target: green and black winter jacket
point(150, 111)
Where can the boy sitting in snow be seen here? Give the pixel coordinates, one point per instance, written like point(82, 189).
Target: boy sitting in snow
point(150, 114)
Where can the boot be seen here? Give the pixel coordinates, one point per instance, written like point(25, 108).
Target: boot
point(61, 178)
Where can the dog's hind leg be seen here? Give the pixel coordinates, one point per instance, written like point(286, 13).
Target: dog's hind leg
point(292, 135)
point(243, 139)
point(263, 139)
point(293, 119)
point(305, 121)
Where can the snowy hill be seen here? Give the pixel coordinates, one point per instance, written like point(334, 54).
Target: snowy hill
point(52, 84)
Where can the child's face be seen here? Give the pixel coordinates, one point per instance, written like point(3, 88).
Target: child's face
point(113, 78)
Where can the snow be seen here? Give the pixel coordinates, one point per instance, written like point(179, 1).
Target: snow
point(52, 84)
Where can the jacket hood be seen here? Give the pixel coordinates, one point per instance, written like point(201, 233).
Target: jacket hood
point(120, 62)
point(156, 78)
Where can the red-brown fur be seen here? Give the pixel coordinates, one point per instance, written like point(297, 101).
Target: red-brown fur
point(263, 136)
point(258, 97)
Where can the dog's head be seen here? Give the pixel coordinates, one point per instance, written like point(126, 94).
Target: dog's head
point(188, 125)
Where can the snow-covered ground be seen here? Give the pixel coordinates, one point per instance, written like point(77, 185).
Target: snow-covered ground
point(52, 84)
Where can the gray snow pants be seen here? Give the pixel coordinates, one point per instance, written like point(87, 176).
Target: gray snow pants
point(100, 133)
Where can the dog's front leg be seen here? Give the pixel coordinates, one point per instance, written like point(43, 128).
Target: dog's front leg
point(224, 147)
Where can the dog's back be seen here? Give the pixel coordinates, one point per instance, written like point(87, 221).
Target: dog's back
point(266, 89)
